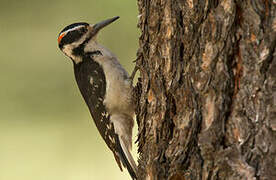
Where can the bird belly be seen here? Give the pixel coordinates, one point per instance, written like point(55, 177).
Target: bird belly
point(118, 96)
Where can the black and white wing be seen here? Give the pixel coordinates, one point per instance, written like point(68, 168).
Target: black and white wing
point(92, 84)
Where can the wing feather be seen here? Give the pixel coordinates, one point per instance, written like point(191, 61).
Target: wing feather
point(92, 84)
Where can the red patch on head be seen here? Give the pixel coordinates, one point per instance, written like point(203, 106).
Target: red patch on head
point(60, 37)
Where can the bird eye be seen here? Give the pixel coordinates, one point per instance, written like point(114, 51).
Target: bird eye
point(73, 36)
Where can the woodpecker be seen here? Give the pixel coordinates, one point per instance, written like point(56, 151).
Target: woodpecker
point(105, 86)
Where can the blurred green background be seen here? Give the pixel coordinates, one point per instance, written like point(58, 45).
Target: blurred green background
point(46, 131)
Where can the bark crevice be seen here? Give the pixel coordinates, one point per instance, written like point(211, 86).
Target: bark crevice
point(206, 95)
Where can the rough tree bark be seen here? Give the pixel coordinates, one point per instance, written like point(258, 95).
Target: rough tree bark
point(206, 96)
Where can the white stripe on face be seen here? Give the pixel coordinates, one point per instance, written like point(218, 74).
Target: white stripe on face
point(72, 29)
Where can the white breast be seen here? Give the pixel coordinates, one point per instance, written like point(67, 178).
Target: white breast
point(118, 96)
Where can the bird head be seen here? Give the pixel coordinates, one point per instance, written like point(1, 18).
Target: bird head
point(74, 37)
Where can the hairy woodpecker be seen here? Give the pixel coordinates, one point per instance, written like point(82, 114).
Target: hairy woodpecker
point(105, 87)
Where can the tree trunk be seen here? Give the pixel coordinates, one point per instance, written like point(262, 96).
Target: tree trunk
point(207, 93)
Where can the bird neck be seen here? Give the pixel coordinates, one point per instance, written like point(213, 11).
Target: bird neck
point(93, 46)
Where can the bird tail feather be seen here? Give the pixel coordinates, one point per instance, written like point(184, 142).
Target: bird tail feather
point(126, 158)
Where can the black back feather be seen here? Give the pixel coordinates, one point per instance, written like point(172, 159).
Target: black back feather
point(92, 84)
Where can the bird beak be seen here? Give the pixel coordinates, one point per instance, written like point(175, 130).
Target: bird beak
point(100, 25)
